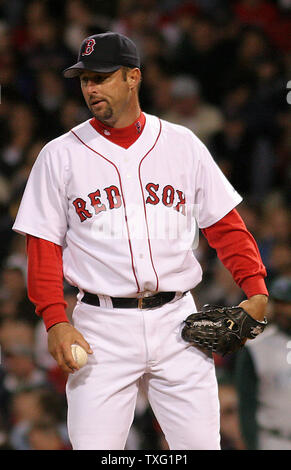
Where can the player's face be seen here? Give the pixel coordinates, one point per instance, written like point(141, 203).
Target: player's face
point(107, 94)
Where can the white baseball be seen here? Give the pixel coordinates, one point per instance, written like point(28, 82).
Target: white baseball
point(79, 354)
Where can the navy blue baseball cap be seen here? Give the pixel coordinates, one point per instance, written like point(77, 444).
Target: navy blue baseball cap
point(105, 52)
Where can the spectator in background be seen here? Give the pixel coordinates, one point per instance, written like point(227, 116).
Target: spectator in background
point(49, 97)
point(16, 331)
point(45, 435)
point(240, 154)
point(79, 19)
point(264, 378)
point(18, 371)
point(189, 109)
point(136, 22)
point(14, 302)
point(155, 93)
point(231, 438)
point(13, 283)
point(280, 260)
point(45, 43)
point(253, 46)
point(269, 95)
point(266, 15)
point(275, 237)
point(9, 306)
point(198, 54)
point(233, 147)
point(20, 368)
point(235, 101)
point(71, 114)
point(8, 61)
point(21, 132)
point(283, 152)
point(18, 181)
point(35, 410)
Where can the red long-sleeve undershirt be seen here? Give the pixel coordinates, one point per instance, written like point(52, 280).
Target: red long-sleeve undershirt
point(235, 247)
point(238, 251)
point(45, 280)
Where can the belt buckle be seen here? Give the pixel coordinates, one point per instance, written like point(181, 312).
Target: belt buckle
point(140, 301)
point(143, 296)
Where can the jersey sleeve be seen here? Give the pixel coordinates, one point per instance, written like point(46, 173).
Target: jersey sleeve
point(43, 208)
point(238, 251)
point(45, 280)
point(215, 196)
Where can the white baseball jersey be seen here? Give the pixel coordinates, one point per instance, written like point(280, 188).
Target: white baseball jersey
point(126, 218)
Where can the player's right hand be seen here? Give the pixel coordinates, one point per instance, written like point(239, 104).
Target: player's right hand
point(60, 338)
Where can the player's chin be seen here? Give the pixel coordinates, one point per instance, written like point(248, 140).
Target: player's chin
point(102, 113)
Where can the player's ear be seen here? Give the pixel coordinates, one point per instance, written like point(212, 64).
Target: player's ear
point(133, 77)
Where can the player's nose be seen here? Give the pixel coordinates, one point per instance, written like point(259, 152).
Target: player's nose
point(92, 86)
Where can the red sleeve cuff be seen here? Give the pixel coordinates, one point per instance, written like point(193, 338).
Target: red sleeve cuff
point(53, 314)
point(254, 285)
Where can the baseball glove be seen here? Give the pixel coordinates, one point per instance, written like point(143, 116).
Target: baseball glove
point(222, 330)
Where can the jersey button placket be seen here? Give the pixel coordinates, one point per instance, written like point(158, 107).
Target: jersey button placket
point(136, 222)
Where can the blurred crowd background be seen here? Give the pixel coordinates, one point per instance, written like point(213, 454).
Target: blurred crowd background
point(220, 68)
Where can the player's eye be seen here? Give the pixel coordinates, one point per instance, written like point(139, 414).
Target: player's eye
point(100, 79)
point(97, 79)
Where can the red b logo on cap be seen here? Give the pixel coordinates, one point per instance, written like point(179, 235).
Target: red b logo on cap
point(90, 43)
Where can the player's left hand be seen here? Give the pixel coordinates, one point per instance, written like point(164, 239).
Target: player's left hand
point(224, 330)
point(256, 306)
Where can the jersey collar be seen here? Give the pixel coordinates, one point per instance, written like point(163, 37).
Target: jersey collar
point(124, 136)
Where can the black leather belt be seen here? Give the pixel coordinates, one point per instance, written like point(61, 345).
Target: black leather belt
point(153, 301)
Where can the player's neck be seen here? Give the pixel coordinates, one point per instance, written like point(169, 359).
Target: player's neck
point(122, 136)
point(125, 119)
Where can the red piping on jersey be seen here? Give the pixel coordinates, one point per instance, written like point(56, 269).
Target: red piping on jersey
point(125, 213)
point(144, 204)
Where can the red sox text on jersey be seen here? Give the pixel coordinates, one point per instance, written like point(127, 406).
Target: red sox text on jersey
point(167, 196)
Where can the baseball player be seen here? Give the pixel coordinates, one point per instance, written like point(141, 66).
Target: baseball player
point(113, 205)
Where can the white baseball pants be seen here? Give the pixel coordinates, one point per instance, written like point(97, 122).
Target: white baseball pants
point(135, 348)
